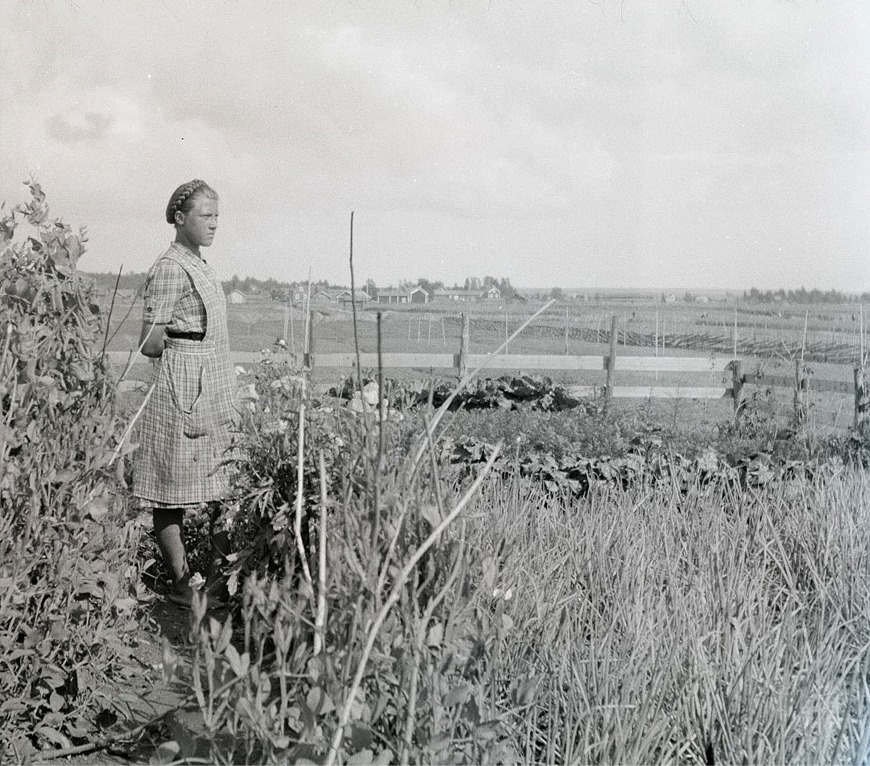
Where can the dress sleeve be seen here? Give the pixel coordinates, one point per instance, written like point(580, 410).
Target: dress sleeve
point(165, 285)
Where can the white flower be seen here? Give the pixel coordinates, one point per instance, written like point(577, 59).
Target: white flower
point(196, 581)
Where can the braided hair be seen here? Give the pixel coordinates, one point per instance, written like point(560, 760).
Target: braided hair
point(182, 198)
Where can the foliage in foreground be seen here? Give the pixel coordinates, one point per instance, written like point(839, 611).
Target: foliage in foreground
point(386, 642)
point(701, 626)
point(653, 620)
point(65, 568)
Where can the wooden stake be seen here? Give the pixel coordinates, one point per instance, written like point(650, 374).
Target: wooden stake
point(737, 387)
point(611, 362)
point(464, 342)
point(800, 393)
point(566, 331)
point(735, 333)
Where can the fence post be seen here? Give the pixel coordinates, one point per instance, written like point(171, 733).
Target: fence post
point(737, 387)
point(566, 331)
point(308, 357)
point(801, 385)
point(862, 402)
point(611, 362)
point(463, 346)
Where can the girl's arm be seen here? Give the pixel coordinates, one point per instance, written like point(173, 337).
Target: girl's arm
point(152, 339)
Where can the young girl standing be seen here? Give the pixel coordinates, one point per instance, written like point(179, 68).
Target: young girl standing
point(185, 431)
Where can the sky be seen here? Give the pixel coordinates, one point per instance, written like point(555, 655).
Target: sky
point(698, 144)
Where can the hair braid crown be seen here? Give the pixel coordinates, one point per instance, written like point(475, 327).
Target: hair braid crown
point(182, 198)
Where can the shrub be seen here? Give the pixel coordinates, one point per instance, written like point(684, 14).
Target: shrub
point(66, 565)
point(370, 640)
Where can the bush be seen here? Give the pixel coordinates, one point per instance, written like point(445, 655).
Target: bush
point(66, 559)
point(369, 638)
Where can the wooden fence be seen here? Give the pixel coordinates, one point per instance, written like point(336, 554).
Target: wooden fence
point(610, 365)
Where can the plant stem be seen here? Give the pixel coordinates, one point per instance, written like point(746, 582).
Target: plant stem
point(402, 577)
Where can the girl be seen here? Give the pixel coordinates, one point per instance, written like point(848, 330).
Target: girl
point(185, 429)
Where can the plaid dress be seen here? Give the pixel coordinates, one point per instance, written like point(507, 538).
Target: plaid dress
point(185, 431)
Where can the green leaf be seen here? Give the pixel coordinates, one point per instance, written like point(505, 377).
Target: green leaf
point(319, 701)
point(165, 753)
point(362, 758)
point(53, 735)
point(439, 742)
point(232, 655)
point(55, 702)
point(457, 695)
point(430, 512)
point(436, 635)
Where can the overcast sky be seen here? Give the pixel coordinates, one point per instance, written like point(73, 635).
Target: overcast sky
point(615, 143)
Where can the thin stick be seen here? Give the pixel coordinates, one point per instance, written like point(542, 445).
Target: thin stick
point(300, 479)
point(320, 619)
point(6, 347)
point(132, 423)
point(353, 308)
point(804, 340)
point(129, 310)
point(344, 716)
point(735, 333)
point(305, 340)
point(376, 530)
point(111, 309)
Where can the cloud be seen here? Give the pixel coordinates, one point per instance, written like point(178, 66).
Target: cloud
point(516, 133)
point(78, 126)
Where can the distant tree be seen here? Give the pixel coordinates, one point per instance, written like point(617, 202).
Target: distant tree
point(557, 293)
point(371, 288)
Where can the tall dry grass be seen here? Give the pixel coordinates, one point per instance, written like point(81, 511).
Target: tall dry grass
point(715, 626)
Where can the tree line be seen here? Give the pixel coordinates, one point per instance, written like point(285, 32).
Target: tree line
point(802, 296)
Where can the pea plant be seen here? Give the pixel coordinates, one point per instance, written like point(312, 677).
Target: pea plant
point(67, 556)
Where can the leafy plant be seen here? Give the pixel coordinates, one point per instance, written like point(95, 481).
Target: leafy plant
point(66, 553)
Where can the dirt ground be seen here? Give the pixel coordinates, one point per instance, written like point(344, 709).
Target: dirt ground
point(154, 709)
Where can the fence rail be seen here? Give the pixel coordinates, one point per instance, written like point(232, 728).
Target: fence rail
point(611, 364)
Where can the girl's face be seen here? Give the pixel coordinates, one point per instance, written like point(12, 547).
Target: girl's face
point(199, 224)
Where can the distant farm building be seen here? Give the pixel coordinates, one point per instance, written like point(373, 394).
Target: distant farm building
point(325, 296)
point(455, 295)
point(491, 294)
point(359, 297)
point(410, 295)
point(517, 298)
point(237, 296)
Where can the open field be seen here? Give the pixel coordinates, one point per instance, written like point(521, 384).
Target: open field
point(767, 340)
point(832, 331)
